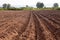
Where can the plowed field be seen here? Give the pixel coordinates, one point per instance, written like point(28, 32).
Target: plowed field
point(30, 25)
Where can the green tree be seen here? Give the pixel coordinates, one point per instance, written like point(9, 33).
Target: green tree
point(55, 5)
point(4, 5)
point(39, 5)
point(27, 6)
point(8, 6)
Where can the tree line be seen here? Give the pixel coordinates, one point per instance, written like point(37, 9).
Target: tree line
point(38, 5)
point(41, 5)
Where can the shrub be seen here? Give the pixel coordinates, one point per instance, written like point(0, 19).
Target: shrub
point(57, 8)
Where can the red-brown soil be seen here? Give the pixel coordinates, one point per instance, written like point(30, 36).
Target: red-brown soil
point(30, 25)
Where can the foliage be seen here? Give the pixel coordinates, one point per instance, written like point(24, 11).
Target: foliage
point(39, 5)
point(57, 8)
point(55, 5)
point(27, 6)
point(42, 9)
point(4, 5)
point(8, 6)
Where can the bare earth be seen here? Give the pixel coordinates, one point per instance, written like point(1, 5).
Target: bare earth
point(30, 25)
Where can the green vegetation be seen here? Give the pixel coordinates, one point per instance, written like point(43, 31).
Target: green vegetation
point(39, 5)
point(6, 6)
point(55, 5)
